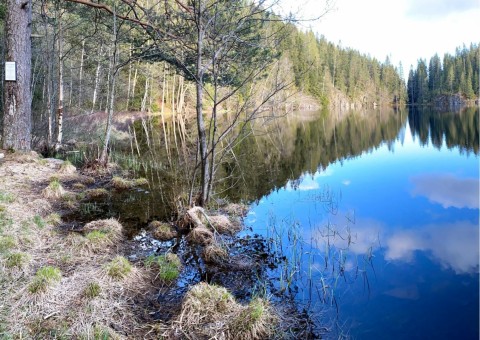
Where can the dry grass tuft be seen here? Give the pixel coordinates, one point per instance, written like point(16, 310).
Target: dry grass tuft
point(96, 193)
point(44, 278)
point(123, 183)
point(53, 190)
point(211, 312)
point(236, 209)
point(162, 231)
point(67, 168)
point(118, 268)
point(204, 313)
point(54, 219)
point(223, 225)
point(214, 253)
point(102, 233)
point(78, 186)
point(201, 235)
point(254, 321)
point(139, 182)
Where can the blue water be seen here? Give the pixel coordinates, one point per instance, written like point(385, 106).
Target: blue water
point(384, 245)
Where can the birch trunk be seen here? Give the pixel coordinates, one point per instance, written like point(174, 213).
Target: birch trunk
point(59, 118)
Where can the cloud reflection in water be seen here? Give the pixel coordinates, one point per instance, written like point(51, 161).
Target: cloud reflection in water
point(447, 190)
point(453, 245)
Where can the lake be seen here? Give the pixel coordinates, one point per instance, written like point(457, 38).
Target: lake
point(378, 219)
point(370, 219)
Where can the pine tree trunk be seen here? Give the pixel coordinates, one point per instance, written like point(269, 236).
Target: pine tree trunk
point(17, 124)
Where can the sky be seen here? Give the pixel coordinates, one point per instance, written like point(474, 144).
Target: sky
point(404, 30)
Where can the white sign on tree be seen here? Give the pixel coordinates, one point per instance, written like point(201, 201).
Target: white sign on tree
point(10, 71)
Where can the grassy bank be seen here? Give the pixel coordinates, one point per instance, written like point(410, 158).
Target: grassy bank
point(63, 283)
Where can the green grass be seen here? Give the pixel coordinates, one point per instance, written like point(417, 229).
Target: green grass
point(92, 290)
point(96, 236)
point(119, 268)
point(39, 222)
point(44, 278)
point(18, 260)
point(6, 197)
point(102, 333)
point(168, 266)
point(6, 243)
point(5, 220)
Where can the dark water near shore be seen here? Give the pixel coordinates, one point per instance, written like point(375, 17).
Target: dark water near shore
point(372, 218)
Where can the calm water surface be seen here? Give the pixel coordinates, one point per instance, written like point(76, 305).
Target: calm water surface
point(382, 240)
point(372, 217)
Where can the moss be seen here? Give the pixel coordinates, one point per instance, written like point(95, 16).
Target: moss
point(119, 268)
point(168, 266)
point(92, 290)
point(44, 278)
point(18, 260)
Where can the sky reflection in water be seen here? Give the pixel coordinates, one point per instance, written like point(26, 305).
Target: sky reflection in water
point(405, 218)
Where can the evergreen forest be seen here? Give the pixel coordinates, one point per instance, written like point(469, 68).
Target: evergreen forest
point(453, 75)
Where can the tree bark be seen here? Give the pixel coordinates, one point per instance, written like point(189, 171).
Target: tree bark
point(202, 138)
point(17, 124)
point(59, 118)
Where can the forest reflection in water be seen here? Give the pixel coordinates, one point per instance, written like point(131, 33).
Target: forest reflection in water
point(396, 222)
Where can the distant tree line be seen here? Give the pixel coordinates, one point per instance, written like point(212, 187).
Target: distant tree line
point(323, 68)
point(454, 75)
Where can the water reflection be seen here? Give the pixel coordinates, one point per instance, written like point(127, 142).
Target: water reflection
point(448, 190)
point(455, 129)
point(452, 245)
